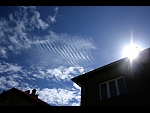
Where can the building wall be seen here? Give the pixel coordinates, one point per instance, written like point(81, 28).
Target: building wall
point(137, 77)
point(92, 86)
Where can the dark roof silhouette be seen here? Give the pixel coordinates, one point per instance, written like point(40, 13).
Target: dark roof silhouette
point(25, 94)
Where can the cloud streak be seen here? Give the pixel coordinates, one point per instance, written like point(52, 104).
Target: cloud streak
point(63, 49)
point(48, 48)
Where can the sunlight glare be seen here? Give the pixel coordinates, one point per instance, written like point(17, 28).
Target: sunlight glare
point(131, 51)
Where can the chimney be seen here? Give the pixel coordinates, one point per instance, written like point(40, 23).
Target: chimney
point(27, 91)
point(33, 92)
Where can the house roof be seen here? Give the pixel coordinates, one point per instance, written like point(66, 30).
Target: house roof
point(78, 79)
point(28, 96)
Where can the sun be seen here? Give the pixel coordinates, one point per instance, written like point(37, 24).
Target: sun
point(131, 51)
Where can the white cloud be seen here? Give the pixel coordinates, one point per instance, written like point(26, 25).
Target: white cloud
point(3, 52)
point(63, 73)
point(3, 80)
point(16, 76)
point(38, 76)
point(8, 82)
point(2, 86)
point(20, 28)
point(38, 22)
point(2, 67)
point(60, 97)
point(42, 72)
point(13, 68)
point(15, 41)
point(43, 25)
point(26, 86)
point(11, 17)
point(56, 10)
point(52, 19)
point(12, 83)
point(1, 34)
point(55, 74)
point(36, 15)
point(81, 70)
point(14, 80)
point(3, 23)
point(10, 47)
point(2, 83)
point(75, 104)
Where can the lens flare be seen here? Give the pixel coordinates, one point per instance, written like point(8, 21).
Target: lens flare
point(131, 51)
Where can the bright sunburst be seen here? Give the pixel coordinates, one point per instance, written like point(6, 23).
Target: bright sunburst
point(131, 51)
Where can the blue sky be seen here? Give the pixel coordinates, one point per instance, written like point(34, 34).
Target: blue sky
point(43, 47)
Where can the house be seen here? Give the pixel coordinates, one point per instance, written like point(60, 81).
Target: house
point(16, 97)
point(121, 83)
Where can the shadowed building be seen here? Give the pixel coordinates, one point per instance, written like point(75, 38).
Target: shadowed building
point(121, 83)
point(16, 97)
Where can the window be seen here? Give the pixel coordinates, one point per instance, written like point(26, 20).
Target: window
point(112, 88)
point(121, 86)
point(104, 91)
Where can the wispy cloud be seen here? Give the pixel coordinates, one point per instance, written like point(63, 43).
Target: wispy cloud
point(49, 47)
point(63, 49)
point(52, 19)
point(3, 52)
point(2, 83)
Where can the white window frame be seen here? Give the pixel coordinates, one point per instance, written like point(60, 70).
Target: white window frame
point(108, 89)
